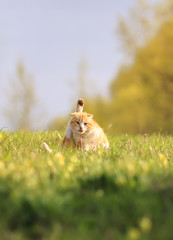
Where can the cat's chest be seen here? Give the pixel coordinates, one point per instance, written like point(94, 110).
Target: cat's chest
point(88, 138)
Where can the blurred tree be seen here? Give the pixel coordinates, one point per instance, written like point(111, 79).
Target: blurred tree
point(22, 101)
point(137, 27)
point(141, 24)
point(164, 11)
point(143, 92)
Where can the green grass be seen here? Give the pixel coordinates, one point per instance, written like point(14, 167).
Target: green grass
point(123, 193)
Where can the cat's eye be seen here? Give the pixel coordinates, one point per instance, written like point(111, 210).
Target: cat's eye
point(85, 124)
point(77, 122)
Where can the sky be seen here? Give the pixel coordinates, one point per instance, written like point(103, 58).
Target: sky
point(51, 38)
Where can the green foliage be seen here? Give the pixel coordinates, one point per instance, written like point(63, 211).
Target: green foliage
point(121, 193)
point(139, 25)
point(143, 92)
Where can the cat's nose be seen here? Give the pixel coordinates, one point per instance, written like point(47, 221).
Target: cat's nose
point(81, 128)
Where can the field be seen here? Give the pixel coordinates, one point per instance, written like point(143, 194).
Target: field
point(123, 193)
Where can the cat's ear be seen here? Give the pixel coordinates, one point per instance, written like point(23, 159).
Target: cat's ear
point(89, 115)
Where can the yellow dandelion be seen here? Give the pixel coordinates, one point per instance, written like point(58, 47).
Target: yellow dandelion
point(145, 224)
point(2, 166)
point(165, 163)
point(1, 136)
point(50, 163)
point(134, 233)
point(162, 159)
point(61, 163)
point(61, 158)
point(74, 159)
point(70, 168)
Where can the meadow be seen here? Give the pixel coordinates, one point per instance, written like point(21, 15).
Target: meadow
point(123, 193)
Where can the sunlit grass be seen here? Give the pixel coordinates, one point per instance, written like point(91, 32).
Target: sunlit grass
point(124, 192)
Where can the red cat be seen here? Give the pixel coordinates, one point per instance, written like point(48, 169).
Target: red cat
point(84, 131)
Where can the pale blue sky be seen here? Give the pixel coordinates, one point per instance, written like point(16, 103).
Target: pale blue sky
point(51, 37)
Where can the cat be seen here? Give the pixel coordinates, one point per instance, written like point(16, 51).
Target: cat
point(84, 131)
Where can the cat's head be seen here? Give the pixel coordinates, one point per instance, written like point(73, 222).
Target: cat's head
point(81, 122)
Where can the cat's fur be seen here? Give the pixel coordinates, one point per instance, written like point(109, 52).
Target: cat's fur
point(84, 131)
